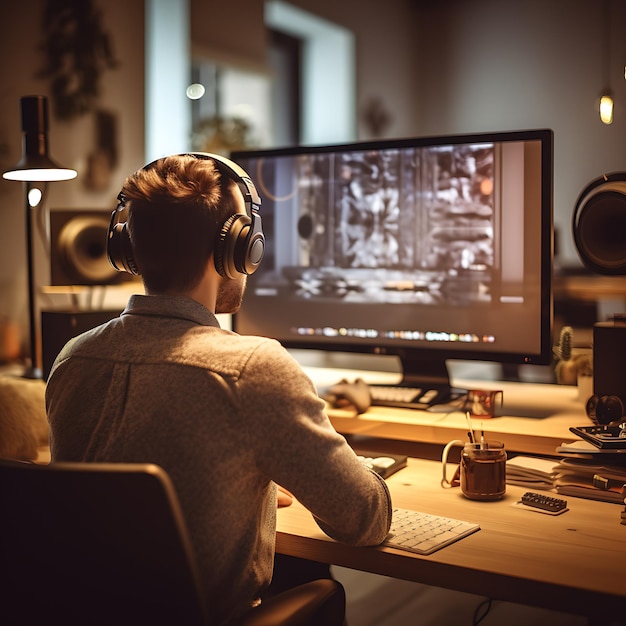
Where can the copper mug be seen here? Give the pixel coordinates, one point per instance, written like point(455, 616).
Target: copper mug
point(482, 402)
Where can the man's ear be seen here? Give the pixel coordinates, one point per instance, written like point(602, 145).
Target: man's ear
point(210, 267)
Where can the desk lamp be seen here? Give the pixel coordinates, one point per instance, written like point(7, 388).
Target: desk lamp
point(34, 166)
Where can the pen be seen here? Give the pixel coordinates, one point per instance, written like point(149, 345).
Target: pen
point(470, 432)
point(482, 437)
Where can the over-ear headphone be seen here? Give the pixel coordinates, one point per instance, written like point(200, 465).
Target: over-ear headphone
point(240, 243)
point(604, 409)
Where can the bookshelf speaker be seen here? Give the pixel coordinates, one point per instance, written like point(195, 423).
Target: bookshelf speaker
point(78, 248)
point(609, 352)
point(58, 327)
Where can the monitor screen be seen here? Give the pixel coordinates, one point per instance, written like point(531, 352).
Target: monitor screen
point(430, 248)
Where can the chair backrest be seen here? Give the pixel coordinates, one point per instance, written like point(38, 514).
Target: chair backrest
point(94, 543)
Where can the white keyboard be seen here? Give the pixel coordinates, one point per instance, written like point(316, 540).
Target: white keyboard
point(423, 533)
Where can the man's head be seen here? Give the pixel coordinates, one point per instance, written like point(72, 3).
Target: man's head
point(181, 211)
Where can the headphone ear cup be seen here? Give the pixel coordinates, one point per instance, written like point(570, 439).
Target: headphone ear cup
point(224, 257)
point(610, 409)
point(120, 249)
point(591, 408)
point(240, 246)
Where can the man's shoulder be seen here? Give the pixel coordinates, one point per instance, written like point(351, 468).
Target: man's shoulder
point(241, 346)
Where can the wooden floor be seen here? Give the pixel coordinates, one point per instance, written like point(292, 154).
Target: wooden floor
point(380, 601)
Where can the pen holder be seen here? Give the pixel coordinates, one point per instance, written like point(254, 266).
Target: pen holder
point(482, 469)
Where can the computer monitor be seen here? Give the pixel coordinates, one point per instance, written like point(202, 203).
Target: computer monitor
point(430, 249)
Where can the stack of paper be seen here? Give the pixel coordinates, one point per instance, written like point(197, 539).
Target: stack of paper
point(531, 472)
point(591, 479)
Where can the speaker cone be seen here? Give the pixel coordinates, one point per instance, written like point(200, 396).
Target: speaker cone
point(78, 248)
point(599, 224)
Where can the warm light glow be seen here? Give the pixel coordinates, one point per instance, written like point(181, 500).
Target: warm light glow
point(40, 175)
point(606, 109)
point(486, 186)
point(34, 196)
point(35, 164)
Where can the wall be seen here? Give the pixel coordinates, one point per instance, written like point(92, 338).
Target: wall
point(71, 143)
point(500, 64)
point(387, 58)
point(452, 66)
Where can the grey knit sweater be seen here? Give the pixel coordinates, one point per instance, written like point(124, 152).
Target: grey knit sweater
point(227, 417)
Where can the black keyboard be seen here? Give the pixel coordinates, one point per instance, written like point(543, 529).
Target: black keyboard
point(406, 397)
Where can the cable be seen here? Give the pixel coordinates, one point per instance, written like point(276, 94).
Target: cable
point(485, 606)
point(457, 404)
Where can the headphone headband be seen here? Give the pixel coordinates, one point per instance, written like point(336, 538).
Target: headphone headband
point(233, 170)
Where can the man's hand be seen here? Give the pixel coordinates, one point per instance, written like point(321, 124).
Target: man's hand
point(284, 498)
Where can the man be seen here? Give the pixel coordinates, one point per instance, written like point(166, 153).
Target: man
point(228, 417)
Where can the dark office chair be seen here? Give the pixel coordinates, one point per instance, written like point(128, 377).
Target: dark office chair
point(106, 544)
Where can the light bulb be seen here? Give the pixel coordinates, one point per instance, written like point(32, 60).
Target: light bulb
point(34, 196)
point(195, 91)
point(606, 109)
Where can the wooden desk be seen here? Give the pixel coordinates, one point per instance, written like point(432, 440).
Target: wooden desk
point(534, 419)
point(574, 562)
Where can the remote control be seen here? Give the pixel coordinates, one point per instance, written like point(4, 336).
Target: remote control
point(541, 501)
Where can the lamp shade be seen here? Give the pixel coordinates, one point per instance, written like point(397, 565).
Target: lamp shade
point(35, 164)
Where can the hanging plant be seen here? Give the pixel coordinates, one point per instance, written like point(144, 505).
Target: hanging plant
point(77, 50)
point(222, 134)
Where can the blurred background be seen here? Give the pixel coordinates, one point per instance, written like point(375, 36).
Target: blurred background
point(131, 80)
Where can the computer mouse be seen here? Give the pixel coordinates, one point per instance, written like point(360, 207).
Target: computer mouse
point(382, 462)
point(345, 393)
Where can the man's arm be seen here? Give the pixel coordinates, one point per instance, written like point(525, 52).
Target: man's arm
point(300, 450)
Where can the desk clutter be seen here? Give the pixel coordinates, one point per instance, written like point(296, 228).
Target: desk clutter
point(543, 503)
point(583, 476)
point(531, 472)
point(605, 437)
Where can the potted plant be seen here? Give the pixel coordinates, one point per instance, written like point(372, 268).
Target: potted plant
point(573, 366)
